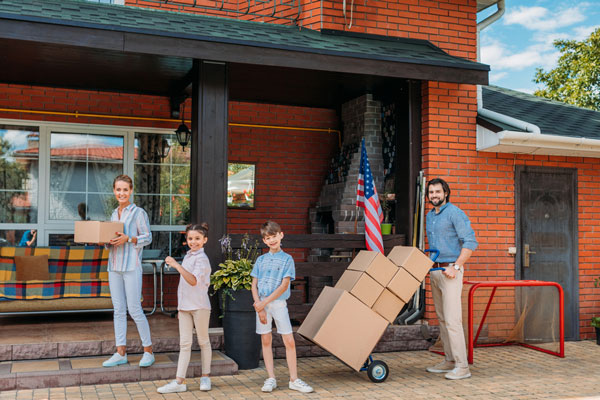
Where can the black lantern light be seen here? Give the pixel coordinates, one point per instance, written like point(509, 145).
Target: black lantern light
point(183, 132)
point(162, 148)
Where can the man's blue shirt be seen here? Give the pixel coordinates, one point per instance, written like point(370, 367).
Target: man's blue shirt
point(270, 269)
point(449, 231)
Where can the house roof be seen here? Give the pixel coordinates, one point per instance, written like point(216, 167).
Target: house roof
point(227, 30)
point(109, 47)
point(552, 117)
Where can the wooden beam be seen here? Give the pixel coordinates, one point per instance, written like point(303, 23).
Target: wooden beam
point(208, 202)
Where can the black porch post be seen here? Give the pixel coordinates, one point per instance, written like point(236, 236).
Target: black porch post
point(208, 187)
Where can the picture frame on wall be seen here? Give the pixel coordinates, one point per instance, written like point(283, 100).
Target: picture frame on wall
point(241, 184)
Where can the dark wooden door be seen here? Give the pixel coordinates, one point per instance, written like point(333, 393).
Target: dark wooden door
point(547, 233)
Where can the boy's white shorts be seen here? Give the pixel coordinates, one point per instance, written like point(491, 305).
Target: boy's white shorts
point(276, 310)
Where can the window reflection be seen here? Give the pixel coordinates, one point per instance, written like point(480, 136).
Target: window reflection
point(19, 154)
point(82, 170)
point(162, 184)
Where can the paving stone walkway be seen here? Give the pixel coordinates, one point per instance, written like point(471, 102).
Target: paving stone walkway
point(510, 372)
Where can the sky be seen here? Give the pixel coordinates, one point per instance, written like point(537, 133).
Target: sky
point(521, 41)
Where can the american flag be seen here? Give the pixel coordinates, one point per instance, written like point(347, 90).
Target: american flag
point(366, 197)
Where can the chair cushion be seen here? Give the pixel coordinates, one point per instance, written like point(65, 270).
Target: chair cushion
point(30, 268)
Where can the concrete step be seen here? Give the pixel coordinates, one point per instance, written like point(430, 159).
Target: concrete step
point(76, 371)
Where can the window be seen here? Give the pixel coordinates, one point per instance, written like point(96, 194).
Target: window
point(240, 185)
point(19, 160)
point(82, 170)
point(53, 174)
point(162, 187)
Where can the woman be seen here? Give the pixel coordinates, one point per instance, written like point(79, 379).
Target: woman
point(125, 272)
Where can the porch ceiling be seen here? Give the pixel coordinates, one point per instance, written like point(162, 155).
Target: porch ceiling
point(75, 44)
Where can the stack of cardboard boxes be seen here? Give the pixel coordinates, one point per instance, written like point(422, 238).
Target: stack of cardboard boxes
point(349, 319)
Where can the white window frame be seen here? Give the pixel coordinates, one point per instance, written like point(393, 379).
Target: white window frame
point(46, 226)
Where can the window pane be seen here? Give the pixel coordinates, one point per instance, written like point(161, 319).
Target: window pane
point(64, 206)
point(83, 146)
point(240, 185)
point(102, 175)
point(62, 239)
point(152, 179)
point(169, 243)
point(100, 206)
point(11, 237)
point(19, 152)
point(181, 179)
point(67, 176)
point(18, 207)
point(157, 207)
point(181, 210)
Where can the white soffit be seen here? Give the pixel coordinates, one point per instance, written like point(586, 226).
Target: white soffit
point(535, 143)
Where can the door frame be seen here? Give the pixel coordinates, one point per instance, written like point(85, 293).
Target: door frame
point(575, 234)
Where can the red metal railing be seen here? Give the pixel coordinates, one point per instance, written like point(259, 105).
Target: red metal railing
point(472, 342)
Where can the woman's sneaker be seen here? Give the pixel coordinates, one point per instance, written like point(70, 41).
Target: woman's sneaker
point(147, 360)
point(172, 387)
point(115, 360)
point(205, 383)
point(300, 386)
point(269, 385)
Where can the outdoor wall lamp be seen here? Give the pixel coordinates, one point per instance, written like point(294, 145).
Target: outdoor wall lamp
point(183, 133)
point(162, 149)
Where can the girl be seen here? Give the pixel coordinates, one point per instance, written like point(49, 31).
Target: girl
point(193, 306)
point(125, 272)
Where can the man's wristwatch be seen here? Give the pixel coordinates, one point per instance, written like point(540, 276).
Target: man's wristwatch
point(457, 267)
point(129, 239)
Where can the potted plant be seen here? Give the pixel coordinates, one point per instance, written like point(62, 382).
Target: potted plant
point(386, 205)
point(233, 283)
point(596, 320)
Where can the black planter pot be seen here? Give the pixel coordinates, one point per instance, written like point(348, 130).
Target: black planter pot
point(242, 343)
point(598, 336)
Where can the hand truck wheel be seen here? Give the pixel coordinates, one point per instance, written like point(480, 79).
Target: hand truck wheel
point(378, 371)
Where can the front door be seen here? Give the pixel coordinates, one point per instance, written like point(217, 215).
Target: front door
point(547, 233)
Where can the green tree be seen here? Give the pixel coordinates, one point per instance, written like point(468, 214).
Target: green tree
point(576, 79)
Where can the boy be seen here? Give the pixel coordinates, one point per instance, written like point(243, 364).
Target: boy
point(271, 278)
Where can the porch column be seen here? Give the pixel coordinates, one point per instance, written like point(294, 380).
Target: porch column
point(208, 187)
point(408, 145)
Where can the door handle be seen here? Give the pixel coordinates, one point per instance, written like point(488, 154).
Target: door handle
point(526, 253)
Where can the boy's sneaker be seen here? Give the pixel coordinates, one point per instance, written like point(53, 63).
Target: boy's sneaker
point(269, 385)
point(115, 360)
point(300, 386)
point(205, 383)
point(172, 387)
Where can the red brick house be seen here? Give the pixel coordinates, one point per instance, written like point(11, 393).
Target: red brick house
point(286, 87)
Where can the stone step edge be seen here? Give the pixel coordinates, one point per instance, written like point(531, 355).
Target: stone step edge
point(120, 374)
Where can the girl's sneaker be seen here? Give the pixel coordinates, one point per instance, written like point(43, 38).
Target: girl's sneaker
point(269, 385)
point(115, 360)
point(205, 383)
point(301, 386)
point(172, 387)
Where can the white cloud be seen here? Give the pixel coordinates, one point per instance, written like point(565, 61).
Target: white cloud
point(526, 90)
point(541, 19)
point(500, 57)
point(498, 76)
point(16, 138)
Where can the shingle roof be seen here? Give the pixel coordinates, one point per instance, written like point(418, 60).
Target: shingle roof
point(553, 117)
point(184, 25)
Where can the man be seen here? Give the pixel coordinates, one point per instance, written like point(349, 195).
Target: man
point(449, 231)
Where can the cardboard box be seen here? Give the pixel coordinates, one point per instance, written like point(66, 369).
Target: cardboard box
point(361, 286)
point(388, 305)
point(411, 259)
point(403, 285)
point(375, 264)
point(345, 327)
point(96, 231)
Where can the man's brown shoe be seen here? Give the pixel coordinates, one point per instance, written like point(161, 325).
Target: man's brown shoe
point(458, 373)
point(444, 366)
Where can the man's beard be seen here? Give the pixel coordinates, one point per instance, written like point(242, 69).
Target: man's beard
point(437, 202)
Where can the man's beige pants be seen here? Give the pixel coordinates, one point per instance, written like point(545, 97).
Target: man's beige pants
point(187, 321)
point(448, 307)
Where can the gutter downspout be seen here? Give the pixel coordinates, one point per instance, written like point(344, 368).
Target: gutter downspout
point(517, 123)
